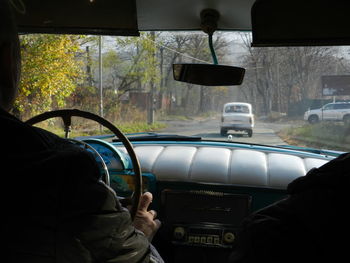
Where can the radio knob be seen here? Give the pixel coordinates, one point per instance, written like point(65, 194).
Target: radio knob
point(179, 232)
point(229, 237)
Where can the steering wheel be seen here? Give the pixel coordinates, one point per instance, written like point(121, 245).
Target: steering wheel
point(67, 115)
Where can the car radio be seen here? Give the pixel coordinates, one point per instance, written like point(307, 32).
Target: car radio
point(203, 218)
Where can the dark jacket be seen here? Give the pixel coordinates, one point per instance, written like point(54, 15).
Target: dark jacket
point(311, 225)
point(54, 206)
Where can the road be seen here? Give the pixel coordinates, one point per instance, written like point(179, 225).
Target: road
point(263, 132)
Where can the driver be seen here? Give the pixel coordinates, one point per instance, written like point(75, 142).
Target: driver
point(54, 206)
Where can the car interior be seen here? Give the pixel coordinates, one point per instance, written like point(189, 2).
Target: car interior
point(202, 189)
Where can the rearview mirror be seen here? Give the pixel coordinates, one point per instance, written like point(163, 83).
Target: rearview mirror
point(208, 74)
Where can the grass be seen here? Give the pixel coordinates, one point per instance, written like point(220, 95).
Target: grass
point(95, 129)
point(328, 135)
point(184, 117)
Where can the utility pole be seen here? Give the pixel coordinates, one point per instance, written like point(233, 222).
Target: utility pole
point(88, 67)
point(161, 88)
point(152, 92)
point(100, 76)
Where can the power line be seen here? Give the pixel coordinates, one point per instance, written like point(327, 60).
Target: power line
point(177, 52)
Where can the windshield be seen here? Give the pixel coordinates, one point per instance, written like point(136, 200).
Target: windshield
point(129, 81)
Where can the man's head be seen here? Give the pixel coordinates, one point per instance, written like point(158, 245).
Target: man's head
point(9, 56)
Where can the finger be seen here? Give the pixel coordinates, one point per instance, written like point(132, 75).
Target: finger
point(145, 201)
point(153, 213)
point(158, 223)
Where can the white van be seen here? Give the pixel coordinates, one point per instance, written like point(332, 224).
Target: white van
point(237, 116)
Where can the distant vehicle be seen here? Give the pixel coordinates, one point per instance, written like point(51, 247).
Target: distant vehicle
point(337, 111)
point(237, 116)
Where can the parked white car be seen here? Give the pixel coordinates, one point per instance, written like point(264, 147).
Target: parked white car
point(237, 116)
point(337, 111)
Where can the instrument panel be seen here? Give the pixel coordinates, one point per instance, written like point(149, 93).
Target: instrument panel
point(121, 174)
point(124, 184)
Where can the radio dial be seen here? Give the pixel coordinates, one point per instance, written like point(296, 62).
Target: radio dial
point(179, 233)
point(229, 237)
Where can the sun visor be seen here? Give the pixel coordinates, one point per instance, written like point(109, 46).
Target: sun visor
point(96, 17)
point(300, 23)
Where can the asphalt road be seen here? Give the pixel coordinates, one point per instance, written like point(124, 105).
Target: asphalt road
point(263, 132)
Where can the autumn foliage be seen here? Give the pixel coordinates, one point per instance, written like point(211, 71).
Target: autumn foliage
point(50, 72)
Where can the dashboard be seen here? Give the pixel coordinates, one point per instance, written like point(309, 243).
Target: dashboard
point(203, 190)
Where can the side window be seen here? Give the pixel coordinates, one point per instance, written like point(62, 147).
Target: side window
point(329, 107)
point(346, 106)
point(342, 106)
point(245, 109)
point(229, 109)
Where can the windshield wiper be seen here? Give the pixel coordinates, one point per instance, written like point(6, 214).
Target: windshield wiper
point(159, 137)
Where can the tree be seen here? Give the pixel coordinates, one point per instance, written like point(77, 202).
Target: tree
point(50, 72)
point(141, 69)
point(281, 77)
point(189, 48)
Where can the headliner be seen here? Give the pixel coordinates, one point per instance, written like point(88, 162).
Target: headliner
point(179, 15)
point(127, 17)
point(274, 22)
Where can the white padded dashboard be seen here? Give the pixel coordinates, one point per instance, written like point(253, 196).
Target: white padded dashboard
point(221, 165)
